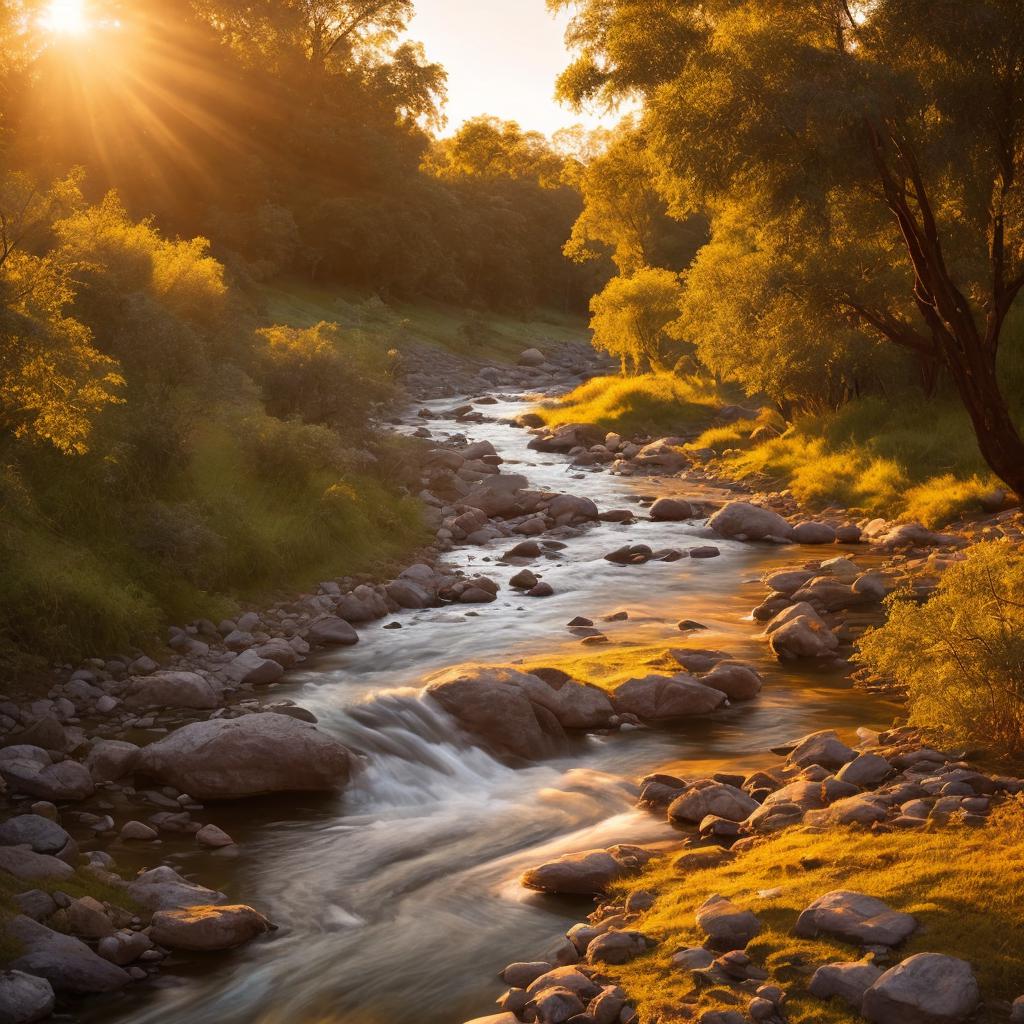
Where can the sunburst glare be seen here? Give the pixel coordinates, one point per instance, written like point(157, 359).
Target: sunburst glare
point(65, 17)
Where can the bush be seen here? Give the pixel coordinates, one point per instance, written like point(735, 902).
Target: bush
point(323, 374)
point(960, 655)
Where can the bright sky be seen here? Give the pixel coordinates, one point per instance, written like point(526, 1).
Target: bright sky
point(502, 58)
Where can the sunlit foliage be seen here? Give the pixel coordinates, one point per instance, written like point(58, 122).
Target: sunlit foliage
point(862, 161)
point(960, 655)
point(632, 318)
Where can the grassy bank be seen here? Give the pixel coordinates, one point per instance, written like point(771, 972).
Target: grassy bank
point(909, 457)
point(652, 403)
point(965, 887)
point(484, 334)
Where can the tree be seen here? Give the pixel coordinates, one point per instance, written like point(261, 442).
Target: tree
point(622, 209)
point(53, 380)
point(891, 130)
point(632, 317)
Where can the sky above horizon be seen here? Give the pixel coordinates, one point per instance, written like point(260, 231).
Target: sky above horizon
point(502, 58)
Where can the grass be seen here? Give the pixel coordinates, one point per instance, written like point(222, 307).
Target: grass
point(661, 403)
point(965, 887)
point(246, 516)
point(913, 459)
point(482, 334)
point(909, 457)
point(609, 667)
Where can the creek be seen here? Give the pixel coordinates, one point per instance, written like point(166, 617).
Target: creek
point(397, 901)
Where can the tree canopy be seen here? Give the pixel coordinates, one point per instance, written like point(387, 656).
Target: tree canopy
point(879, 141)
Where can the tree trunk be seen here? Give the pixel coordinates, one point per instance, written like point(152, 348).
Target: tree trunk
point(998, 437)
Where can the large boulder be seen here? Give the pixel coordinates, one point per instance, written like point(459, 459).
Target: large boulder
point(744, 521)
point(855, 917)
point(665, 454)
point(24, 998)
point(207, 928)
point(68, 964)
point(726, 925)
point(659, 698)
point(715, 798)
point(174, 690)
point(928, 988)
point(517, 712)
point(587, 872)
point(223, 759)
point(571, 508)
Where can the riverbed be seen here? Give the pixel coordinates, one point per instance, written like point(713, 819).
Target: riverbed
point(397, 901)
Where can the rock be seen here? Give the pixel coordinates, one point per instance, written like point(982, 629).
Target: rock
point(665, 454)
point(138, 831)
point(252, 670)
point(517, 712)
point(726, 925)
point(206, 928)
point(36, 904)
point(109, 760)
point(1017, 1011)
point(520, 975)
point(531, 357)
point(163, 888)
point(28, 770)
point(88, 919)
point(928, 988)
point(671, 510)
point(224, 759)
point(495, 1018)
point(585, 873)
point(523, 580)
point(41, 834)
point(497, 495)
point(569, 508)
point(568, 978)
point(854, 917)
point(847, 981)
point(814, 533)
point(606, 1007)
point(743, 520)
point(802, 637)
point(617, 947)
point(824, 748)
point(24, 998)
point(556, 1005)
point(21, 862)
point(865, 770)
point(68, 964)
point(210, 835)
point(658, 698)
point(788, 581)
point(737, 682)
point(708, 797)
point(704, 551)
point(332, 631)
point(696, 959)
point(174, 690)
point(124, 947)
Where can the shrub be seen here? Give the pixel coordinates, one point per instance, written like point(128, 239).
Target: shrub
point(960, 655)
point(323, 374)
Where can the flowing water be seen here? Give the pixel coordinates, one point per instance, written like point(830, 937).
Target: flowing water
point(397, 901)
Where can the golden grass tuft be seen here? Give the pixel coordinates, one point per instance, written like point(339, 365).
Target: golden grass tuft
point(965, 886)
point(650, 403)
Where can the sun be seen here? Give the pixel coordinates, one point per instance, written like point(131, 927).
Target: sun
point(65, 17)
